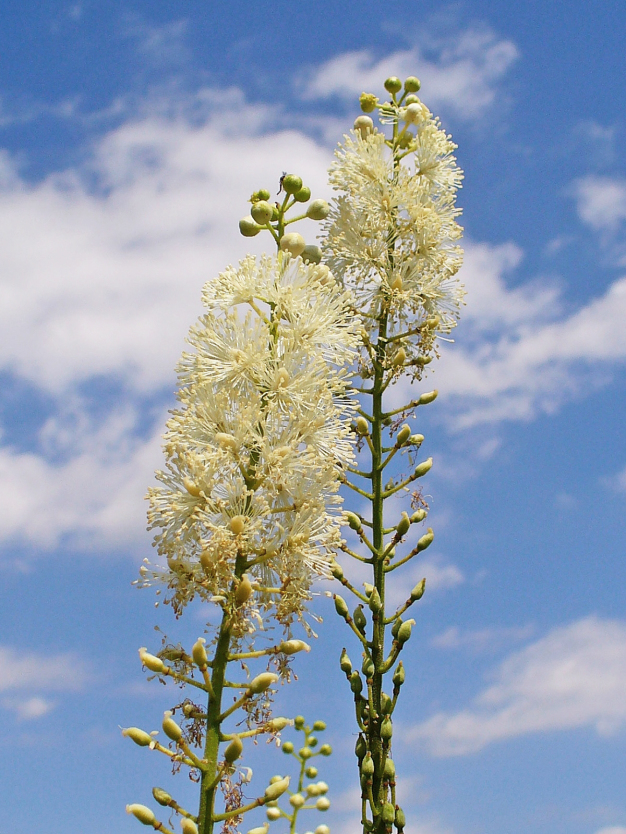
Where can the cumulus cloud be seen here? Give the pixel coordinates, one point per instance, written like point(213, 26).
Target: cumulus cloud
point(601, 201)
point(574, 677)
point(464, 78)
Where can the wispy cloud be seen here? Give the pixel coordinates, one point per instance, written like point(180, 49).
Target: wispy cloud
point(481, 640)
point(573, 677)
point(601, 201)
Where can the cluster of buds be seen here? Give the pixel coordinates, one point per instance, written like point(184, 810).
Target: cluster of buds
point(273, 217)
point(406, 106)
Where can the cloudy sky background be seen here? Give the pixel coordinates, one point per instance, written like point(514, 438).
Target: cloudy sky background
point(131, 136)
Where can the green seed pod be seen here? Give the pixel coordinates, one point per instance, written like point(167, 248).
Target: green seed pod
point(170, 727)
point(276, 789)
point(388, 813)
point(293, 647)
point(356, 684)
point(359, 618)
point(262, 682)
point(418, 515)
point(386, 729)
point(412, 84)
point(398, 675)
point(345, 663)
point(385, 703)
point(311, 254)
point(418, 591)
point(151, 662)
point(341, 606)
point(326, 750)
point(375, 602)
point(311, 772)
point(262, 212)
point(318, 210)
point(303, 195)
point(389, 771)
point(336, 570)
point(367, 765)
point(403, 435)
point(368, 102)
point(142, 813)
point(188, 826)
point(299, 722)
point(426, 540)
point(353, 520)
point(395, 628)
point(360, 748)
point(140, 737)
point(368, 667)
point(362, 426)
point(404, 632)
point(364, 125)
point(248, 227)
point(393, 84)
point(422, 468)
point(416, 439)
point(322, 804)
point(287, 747)
point(429, 397)
point(293, 243)
point(273, 814)
point(291, 183)
point(400, 820)
point(198, 652)
point(161, 796)
point(403, 525)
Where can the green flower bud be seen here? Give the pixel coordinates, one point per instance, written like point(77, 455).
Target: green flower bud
point(353, 520)
point(345, 663)
point(368, 667)
point(400, 820)
point(243, 592)
point(368, 102)
point(161, 796)
point(360, 748)
point(386, 729)
point(393, 84)
point(198, 652)
point(424, 360)
point(375, 602)
point(276, 789)
point(273, 814)
point(336, 570)
point(412, 84)
point(418, 590)
point(291, 183)
point(262, 682)
point(234, 750)
point(404, 632)
point(287, 747)
point(399, 358)
point(359, 618)
point(388, 814)
point(261, 829)
point(142, 813)
point(311, 254)
point(326, 750)
point(319, 726)
point(138, 736)
point(312, 741)
point(403, 435)
point(368, 589)
point(367, 765)
point(418, 515)
point(416, 439)
point(297, 800)
point(411, 100)
point(385, 703)
point(311, 772)
point(429, 397)
point(299, 722)
point(389, 771)
point(322, 829)
point(426, 540)
point(248, 227)
point(305, 752)
point(170, 727)
point(293, 242)
point(303, 195)
point(151, 662)
point(422, 468)
point(262, 212)
point(403, 525)
point(362, 426)
point(261, 194)
point(341, 606)
point(322, 804)
point(395, 628)
point(356, 684)
point(188, 826)
point(293, 647)
point(364, 125)
point(318, 210)
point(398, 675)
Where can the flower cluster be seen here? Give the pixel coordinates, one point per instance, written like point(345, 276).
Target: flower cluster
point(255, 448)
point(391, 235)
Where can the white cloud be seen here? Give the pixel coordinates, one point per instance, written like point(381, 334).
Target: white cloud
point(464, 78)
point(484, 639)
point(574, 677)
point(29, 708)
point(612, 829)
point(601, 201)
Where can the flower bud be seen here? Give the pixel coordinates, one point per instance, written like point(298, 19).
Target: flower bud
point(322, 804)
point(287, 747)
point(395, 628)
point(362, 426)
point(368, 667)
point(341, 606)
point(188, 826)
point(142, 813)
point(273, 814)
point(276, 789)
point(291, 183)
point(389, 771)
point(261, 212)
point(426, 540)
point(326, 750)
point(412, 84)
point(293, 242)
point(428, 397)
point(375, 602)
point(359, 618)
point(305, 752)
point(161, 796)
point(322, 829)
point(262, 682)
point(248, 227)
point(170, 727)
point(388, 813)
point(237, 524)
point(400, 358)
point(322, 787)
point(403, 525)
point(360, 748)
point(368, 102)
point(403, 435)
point(398, 675)
point(261, 194)
point(386, 729)
point(311, 772)
point(311, 254)
point(353, 520)
point(416, 439)
point(393, 84)
point(303, 195)
point(411, 99)
point(318, 210)
point(385, 703)
point(293, 647)
point(418, 515)
point(418, 591)
point(404, 632)
point(279, 723)
point(414, 113)
point(261, 829)
point(138, 736)
point(151, 662)
point(400, 820)
point(336, 570)
point(243, 592)
point(364, 125)
point(297, 800)
point(345, 663)
point(198, 652)
point(367, 765)
point(433, 323)
point(234, 750)
point(299, 722)
point(422, 468)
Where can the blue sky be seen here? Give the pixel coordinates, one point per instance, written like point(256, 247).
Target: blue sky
point(132, 134)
